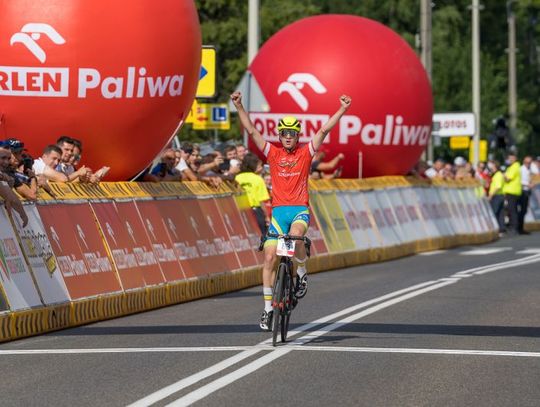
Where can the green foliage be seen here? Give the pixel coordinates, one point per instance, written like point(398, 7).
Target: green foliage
point(224, 24)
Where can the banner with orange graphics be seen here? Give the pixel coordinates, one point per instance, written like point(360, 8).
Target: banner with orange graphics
point(212, 230)
point(128, 244)
point(191, 239)
point(317, 241)
point(161, 241)
point(236, 230)
point(79, 249)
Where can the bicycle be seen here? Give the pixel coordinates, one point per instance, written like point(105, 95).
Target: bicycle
point(283, 298)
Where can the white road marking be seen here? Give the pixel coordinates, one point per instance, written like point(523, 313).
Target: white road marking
point(8, 352)
point(432, 252)
point(188, 381)
point(529, 251)
point(211, 387)
point(489, 250)
point(459, 352)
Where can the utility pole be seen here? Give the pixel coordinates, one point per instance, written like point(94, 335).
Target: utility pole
point(476, 78)
point(425, 40)
point(512, 85)
point(253, 29)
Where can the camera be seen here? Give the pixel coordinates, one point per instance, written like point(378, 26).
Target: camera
point(27, 162)
point(225, 165)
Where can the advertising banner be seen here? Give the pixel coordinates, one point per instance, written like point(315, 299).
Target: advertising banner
point(410, 205)
point(191, 237)
point(353, 220)
point(213, 233)
point(16, 280)
point(250, 223)
point(534, 202)
point(128, 244)
point(38, 252)
point(79, 249)
point(337, 220)
point(160, 239)
point(394, 213)
point(236, 230)
point(371, 233)
point(386, 229)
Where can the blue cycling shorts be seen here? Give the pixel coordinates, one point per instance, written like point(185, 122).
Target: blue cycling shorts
point(283, 217)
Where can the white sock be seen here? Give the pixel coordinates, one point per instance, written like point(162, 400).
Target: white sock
point(267, 292)
point(301, 269)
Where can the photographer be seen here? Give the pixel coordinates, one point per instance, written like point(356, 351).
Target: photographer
point(20, 169)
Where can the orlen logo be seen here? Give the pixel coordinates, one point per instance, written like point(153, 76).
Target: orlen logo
point(29, 41)
point(394, 131)
point(54, 82)
point(296, 82)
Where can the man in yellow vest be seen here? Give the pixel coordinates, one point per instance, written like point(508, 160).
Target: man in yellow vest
point(496, 195)
point(512, 190)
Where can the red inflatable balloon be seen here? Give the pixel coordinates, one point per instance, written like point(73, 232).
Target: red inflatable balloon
point(304, 68)
point(118, 75)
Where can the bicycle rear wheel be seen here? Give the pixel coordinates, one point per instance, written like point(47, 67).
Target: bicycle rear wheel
point(277, 302)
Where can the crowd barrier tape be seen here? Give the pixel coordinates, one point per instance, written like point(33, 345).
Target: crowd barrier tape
point(93, 252)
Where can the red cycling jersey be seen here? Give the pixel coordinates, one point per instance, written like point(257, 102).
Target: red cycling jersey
point(290, 174)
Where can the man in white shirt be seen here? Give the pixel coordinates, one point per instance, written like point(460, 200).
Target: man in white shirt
point(44, 166)
point(523, 202)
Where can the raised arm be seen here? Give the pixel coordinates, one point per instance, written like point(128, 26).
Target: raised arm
point(325, 129)
point(257, 138)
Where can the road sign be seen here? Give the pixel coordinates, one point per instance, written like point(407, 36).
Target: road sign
point(207, 76)
point(453, 124)
point(460, 142)
point(211, 116)
point(192, 112)
point(482, 156)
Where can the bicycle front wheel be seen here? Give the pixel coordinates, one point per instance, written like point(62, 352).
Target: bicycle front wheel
point(287, 298)
point(277, 302)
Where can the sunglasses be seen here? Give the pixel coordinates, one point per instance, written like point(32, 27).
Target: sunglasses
point(288, 132)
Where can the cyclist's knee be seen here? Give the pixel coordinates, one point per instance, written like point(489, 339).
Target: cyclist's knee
point(270, 257)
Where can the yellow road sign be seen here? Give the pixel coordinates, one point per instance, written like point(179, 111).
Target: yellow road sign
point(483, 153)
point(211, 116)
point(459, 142)
point(207, 76)
point(192, 112)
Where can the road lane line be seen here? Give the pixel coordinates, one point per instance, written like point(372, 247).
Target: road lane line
point(188, 381)
point(420, 289)
point(458, 352)
point(483, 252)
point(8, 352)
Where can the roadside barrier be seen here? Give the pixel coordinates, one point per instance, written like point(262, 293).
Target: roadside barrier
point(102, 251)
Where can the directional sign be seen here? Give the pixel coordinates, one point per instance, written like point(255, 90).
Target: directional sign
point(482, 154)
point(459, 142)
point(211, 116)
point(190, 117)
point(207, 76)
point(453, 124)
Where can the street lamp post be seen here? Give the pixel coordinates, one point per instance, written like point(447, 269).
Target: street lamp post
point(512, 82)
point(476, 78)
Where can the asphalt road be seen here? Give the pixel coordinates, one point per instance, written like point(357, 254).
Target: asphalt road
point(452, 328)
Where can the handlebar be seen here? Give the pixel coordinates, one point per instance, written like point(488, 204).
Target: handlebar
point(306, 240)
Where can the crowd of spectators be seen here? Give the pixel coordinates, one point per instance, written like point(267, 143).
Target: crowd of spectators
point(507, 186)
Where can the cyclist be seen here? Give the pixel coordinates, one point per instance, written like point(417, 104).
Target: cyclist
point(289, 169)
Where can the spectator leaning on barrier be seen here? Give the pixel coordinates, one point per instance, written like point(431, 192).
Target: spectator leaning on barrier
point(11, 200)
point(319, 168)
point(526, 185)
point(44, 167)
point(241, 151)
point(496, 195)
point(535, 166)
point(229, 153)
point(67, 144)
point(165, 170)
point(24, 181)
point(512, 190)
point(436, 169)
point(253, 184)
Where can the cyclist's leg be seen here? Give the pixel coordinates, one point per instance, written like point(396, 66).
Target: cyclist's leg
point(299, 227)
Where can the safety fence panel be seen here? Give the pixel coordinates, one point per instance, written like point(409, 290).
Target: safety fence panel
point(534, 202)
point(128, 244)
point(457, 220)
point(395, 214)
point(357, 225)
point(19, 288)
point(332, 222)
point(40, 257)
point(250, 224)
point(384, 222)
point(318, 246)
point(370, 232)
point(161, 241)
point(79, 249)
point(410, 203)
point(237, 232)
